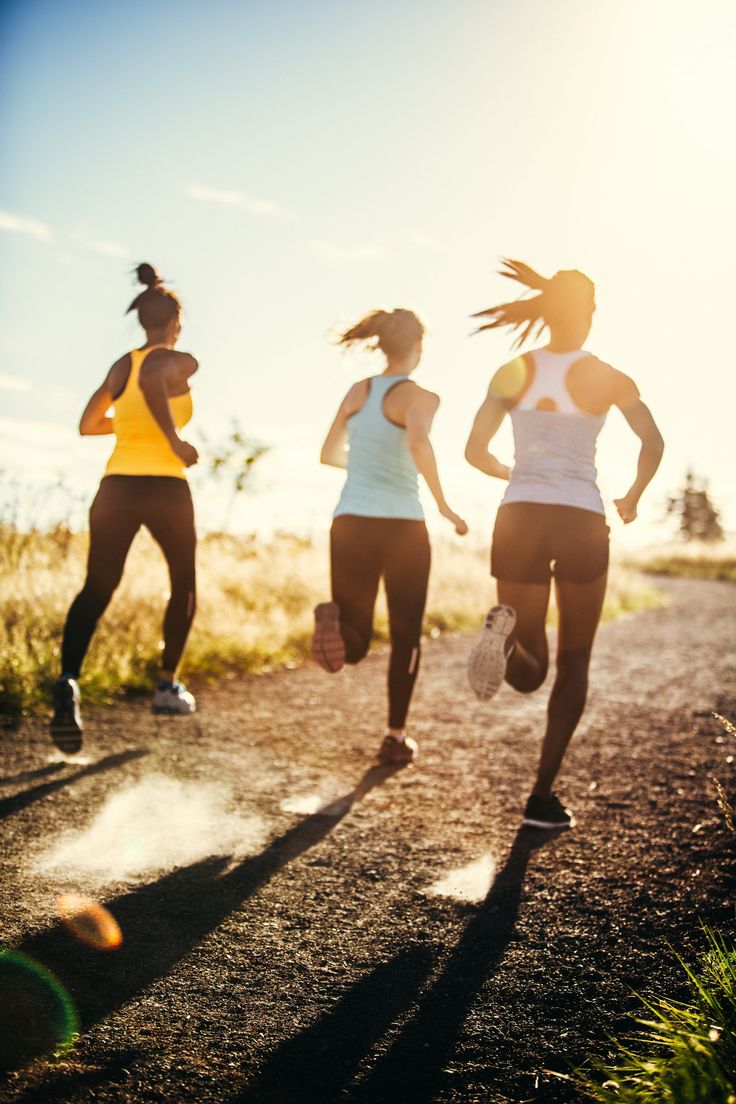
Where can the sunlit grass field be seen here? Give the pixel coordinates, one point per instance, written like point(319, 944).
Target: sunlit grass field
point(696, 560)
point(254, 607)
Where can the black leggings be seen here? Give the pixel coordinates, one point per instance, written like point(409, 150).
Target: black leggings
point(122, 505)
point(362, 550)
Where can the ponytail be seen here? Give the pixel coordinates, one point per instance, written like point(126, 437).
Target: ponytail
point(566, 293)
point(395, 332)
point(156, 305)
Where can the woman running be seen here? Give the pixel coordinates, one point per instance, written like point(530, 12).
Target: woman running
point(378, 529)
point(552, 512)
point(145, 483)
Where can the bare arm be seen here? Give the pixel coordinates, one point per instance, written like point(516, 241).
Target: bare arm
point(419, 418)
point(641, 421)
point(157, 380)
point(485, 427)
point(94, 421)
point(334, 450)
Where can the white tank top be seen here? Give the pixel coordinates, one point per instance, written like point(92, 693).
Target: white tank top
point(554, 440)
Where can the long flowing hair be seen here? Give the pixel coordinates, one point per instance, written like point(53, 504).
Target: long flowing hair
point(560, 297)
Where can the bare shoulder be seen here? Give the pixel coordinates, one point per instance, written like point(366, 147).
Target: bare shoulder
point(188, 363)
point(171, 362)
point(421, 395)
point(595, 385)
point(356, 397)
point(511, 380)
point(622, 391)
point(117, 376)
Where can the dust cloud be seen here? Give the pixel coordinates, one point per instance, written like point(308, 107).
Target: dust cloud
point(467, 883)
point(152, 826)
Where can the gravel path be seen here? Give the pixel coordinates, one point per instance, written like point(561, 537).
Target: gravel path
point(299, 925)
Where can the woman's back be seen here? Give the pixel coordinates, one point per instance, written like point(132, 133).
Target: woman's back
point(141, 448)
point(554, 436)
point(382, 478)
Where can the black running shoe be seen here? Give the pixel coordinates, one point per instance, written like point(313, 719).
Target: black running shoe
point(397, 751)
point(66, 723)
point(547, 812)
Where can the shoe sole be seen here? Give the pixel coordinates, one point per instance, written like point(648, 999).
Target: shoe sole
point(328, 646)
point(66, 726)
point(66, 736)
point(547, 825)
point(486, 665)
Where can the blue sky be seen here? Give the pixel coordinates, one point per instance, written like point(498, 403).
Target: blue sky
point(290, 166)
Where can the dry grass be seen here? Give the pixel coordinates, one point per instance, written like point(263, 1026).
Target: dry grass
point(254, 607)
point(695, 560)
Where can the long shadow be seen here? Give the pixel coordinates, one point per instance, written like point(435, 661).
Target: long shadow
point(29, 775)
point(320, 1062)
point(10, 805)
point(413, 1067)
point(71, 1082)
point(161, 922)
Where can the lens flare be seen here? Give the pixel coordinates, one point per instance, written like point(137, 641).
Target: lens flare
point(510, 379)
point(37, 1013)
point(89, 921)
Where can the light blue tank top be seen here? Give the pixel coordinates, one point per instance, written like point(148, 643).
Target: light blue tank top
point(554, 448)
point(382, 477)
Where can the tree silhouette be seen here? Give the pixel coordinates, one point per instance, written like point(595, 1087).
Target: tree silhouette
point(699, 519)
point(233, 459)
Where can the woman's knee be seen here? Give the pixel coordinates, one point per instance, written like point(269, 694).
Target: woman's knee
point(355, 650)
point(98, 590)
point(526, 682)
point(406, 651)
point(572, 672)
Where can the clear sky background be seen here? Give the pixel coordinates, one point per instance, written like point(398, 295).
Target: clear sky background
point(290, 165)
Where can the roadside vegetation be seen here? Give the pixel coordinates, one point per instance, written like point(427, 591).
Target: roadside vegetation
point(682, 1052)
point(691, 561)
point(254, 607)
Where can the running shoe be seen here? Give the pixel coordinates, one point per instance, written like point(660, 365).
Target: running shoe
point(172, 698)
point(547, 812)
point(488, 659)
point(66, 723)
point(328, 646)
point(397, 751)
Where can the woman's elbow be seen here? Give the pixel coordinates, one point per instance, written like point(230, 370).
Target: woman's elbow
point(656, 444)
point(473, 455)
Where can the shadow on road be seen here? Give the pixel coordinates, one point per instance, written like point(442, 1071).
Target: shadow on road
point(413, 1067)
point(10, 805)
point(29, 775)
point(61, 1087)
point(320, 1062)
point(161, 922)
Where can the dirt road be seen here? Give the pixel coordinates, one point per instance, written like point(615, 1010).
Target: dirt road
point(301, 926)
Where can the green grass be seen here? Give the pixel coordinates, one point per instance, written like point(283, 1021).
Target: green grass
point(685, 1053)
point(254, 607)
point(716, 562)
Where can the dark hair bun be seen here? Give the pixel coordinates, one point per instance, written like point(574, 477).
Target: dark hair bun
point(148, 275)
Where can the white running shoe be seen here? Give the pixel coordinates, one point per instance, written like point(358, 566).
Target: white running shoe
point(173, 698)
point(488, 659)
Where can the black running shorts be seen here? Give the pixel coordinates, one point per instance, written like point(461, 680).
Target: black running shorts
point(532, 541)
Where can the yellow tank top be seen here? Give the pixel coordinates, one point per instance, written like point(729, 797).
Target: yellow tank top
point(141, 447)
